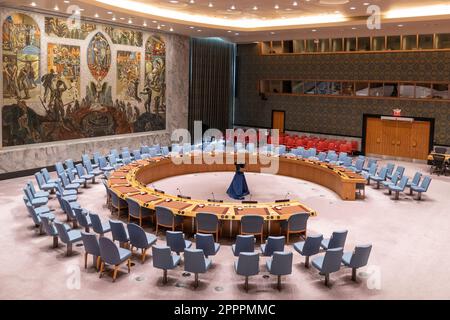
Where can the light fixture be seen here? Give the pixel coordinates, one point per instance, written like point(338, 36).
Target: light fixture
point(232, 7)
point(56, 8)
point(191, 1)
point(109, 12)
point(144, 24)
point(313, 30)
point(130, 21)
point(113, 19)
point(295, 3)
point(210, 5)
point(400, 25)
point(255, 8)
point(433, 10)
point(66, 1)
point(33, 4)
point(158, 27)
point(171, 29)
point(96, 15)
point(277, 7)
point(352, 8)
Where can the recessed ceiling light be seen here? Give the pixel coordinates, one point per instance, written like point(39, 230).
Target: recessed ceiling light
point(272, 32)
point(56, 8)
point(352, 8)
point(171, 29)
point(96, 15)
point(255, 8)
point(154, 21)
point(237, 33)
point(210, 5)
point(122, 18)
point(313, 30)
point(113, 19)
point(353, 28)
point(229, 31)
point(173, 1)
point(191, 1)
point(163, 25)
point(66, 1)
point(295, 3)
point(232, 7)
point(366, 3)
point(400, 25)
point(191, 27)
point(144, 24)
point(109, 12)
point(277, 7)
point(130, 21)
point(33, 4)
point(199, 30)
point(158, 27)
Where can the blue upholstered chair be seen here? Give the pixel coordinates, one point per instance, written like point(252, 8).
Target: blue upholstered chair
point(140, 239)
point(176, 242)
point(67, 236)
point(126, 157)
point(244, 243)
point(86, 159)
point(393, 181)
point(398, 172)
point(206, 243)
point(253, 224)
point(37, 193)
point(163, 259)
point(380, 177)
point(296, 223)
point(337, 240)
point(83, 218)
point(137, 211)
point(116, 202)
point(322, 156)
point(422, 188)
point(309, 247)
point(50, 230)
point(104, 165)
point(372, 171)
point(370, 163)
point(59, 168)
point(357, 259)
point(119, 233)
point(43, 185)
point(83, 174)
point(37, 218)
point(113, 161)
point(329, 263)
point(66, 183)
point(115, 153)
point(47, 178)
point(74, 179)
point(69, 211)
point(331, 157)
point(137, 155)
point(165, 151)
point(414, 182)
point(91, 170)
point(207, 223)
point(145, 152)
point(347, 162)
point(70, 166)
point(112, 255)
point(247, 265)
point(358, 167)
point(280, 265)
point(66, 193)
point(390, 169)
point(98, 226)
point(195, 262)
point(39, 210)
point(166, 218)
point(272, 244)
point(398, 188)
point(35, 202)
point(91, 246)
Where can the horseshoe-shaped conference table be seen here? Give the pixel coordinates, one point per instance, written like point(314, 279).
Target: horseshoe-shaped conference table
point(133, 180)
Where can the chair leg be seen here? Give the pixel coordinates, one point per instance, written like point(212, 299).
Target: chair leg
point(129, 265)
point(354, 274)
point(246, 283)
point(55, 241)
point(327, 278)
point(144, 251)
point(115, 273)
point(196, 280)
point(97, 265)
point(85, 260)
point(69, 249)
point(419, 195)
point(287, 237)
point(396, 195)
point(307, 262)
point(102, 267)
point(165, 276)
point(279, 283)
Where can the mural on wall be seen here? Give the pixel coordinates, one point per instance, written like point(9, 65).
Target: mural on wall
point(128, 71)
point(21, 55)
point(124, 36)
point(61, 102)
point(64, 28)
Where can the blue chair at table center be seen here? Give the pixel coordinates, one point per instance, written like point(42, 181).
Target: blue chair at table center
point(196, 262)
point(113, 255)
point(140, 239)
point(91, 246)
point(247, 265)
point(207, 223)
point(329, 263)
point(175, 240)
point(206, 243)
point(244, 243)
point(280, 264)
point(272, 244)
point(357, 259)
point(163, 259)
point(309, 247)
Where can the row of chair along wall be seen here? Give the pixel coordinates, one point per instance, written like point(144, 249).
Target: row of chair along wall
point(105, 251)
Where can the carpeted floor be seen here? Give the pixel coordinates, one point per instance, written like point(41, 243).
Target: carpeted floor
point(409, 260)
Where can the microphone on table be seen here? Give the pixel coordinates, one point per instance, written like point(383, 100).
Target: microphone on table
point(286, 196)
point(179, 191)
point(214, 198)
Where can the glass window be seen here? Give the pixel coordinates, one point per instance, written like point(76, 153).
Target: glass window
point(309, 87)
point(348, 89)
point(324, 45)
point(406, 90)
point(264, 86)
point(275, 86)
point(390, 90)
point(297, 86)
point(336, 45)
point(409, 42)
point(299, 46)
point(335, 88)
point(423, 91)
point(440, 91)
point(265, 47)
point(393, 43)
point(362, 88)
point(443, 41)
point(311, 45)
point(277, 47)
point(323, 87)
point(378, 43)
point(350, 44)
point(287, 86)
point(288, 46)
point(364, 44)
point(376, 89)
point(426, 41)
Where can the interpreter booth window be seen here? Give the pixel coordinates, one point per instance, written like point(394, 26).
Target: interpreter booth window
point(423, 91)
point(364, 44)
point(443, 41)
point(297, 87)
point(426, 41)
point(336, 45)
point(407, 90)
point(348, 88)
point(309, 87)
point(299, 46)
point(440, 91)
point(376, 89)
point(362, 89)
point(390, 89)
point(393, 43)
point(378, 43)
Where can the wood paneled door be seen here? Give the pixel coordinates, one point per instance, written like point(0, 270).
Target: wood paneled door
point(278, 120)
point(397, 138)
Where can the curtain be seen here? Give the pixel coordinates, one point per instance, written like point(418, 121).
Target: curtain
point(211, 88)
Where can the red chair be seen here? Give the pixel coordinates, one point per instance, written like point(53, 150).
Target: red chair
point(322, 146)
point(344, 148)
point(354, 145)
point(332, 146)
point(310, 144)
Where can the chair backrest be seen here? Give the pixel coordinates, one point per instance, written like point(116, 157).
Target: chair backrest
point(274, 244)
point(85, 158)
point(126, 154)
point(383, 173)
point(137, 155)
point(59, 168)
point(102, 162)
point(97, 157)
point(90, 243)
point(145, 149)
point(298, 221)
point(359, 164)
point(36, 218)
point(88, 166)
point(71, 175)
point(165, 150)
point(342, 156)
point(138, 238)
point(337, 239)
point(442, 150)
point(312, 245)
point(252, 224)
point(426, 182)
point(162, 257)
point(248, 263)
point(360, 256)
point(403, 183)
point(281, 263)
point(244, 243)
point(395, 179)
point(109, 251)
point(64, 179)
point(67, 208)
point(332, 260)
point(175, 240)
point(390, 168)
point(371, 162)
point(194, 261)
point(416, 179)
point(31, 188)
point(118, 231)
point(28, 193)
point(205, 242)
point(164, 216)
point(62, 232)
point(438, 160)
point(45, 174)
point(347, 162)
point(373, 169)
point(96, 222)
point(81, 218)
point(59, 188)
point(134, 209)
point(399, 171)
point(207, 222)
point(69, 164)
point(49, 228)
point(322, 156)
point(80, 170)
point(112, 159)
point(39, 179)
